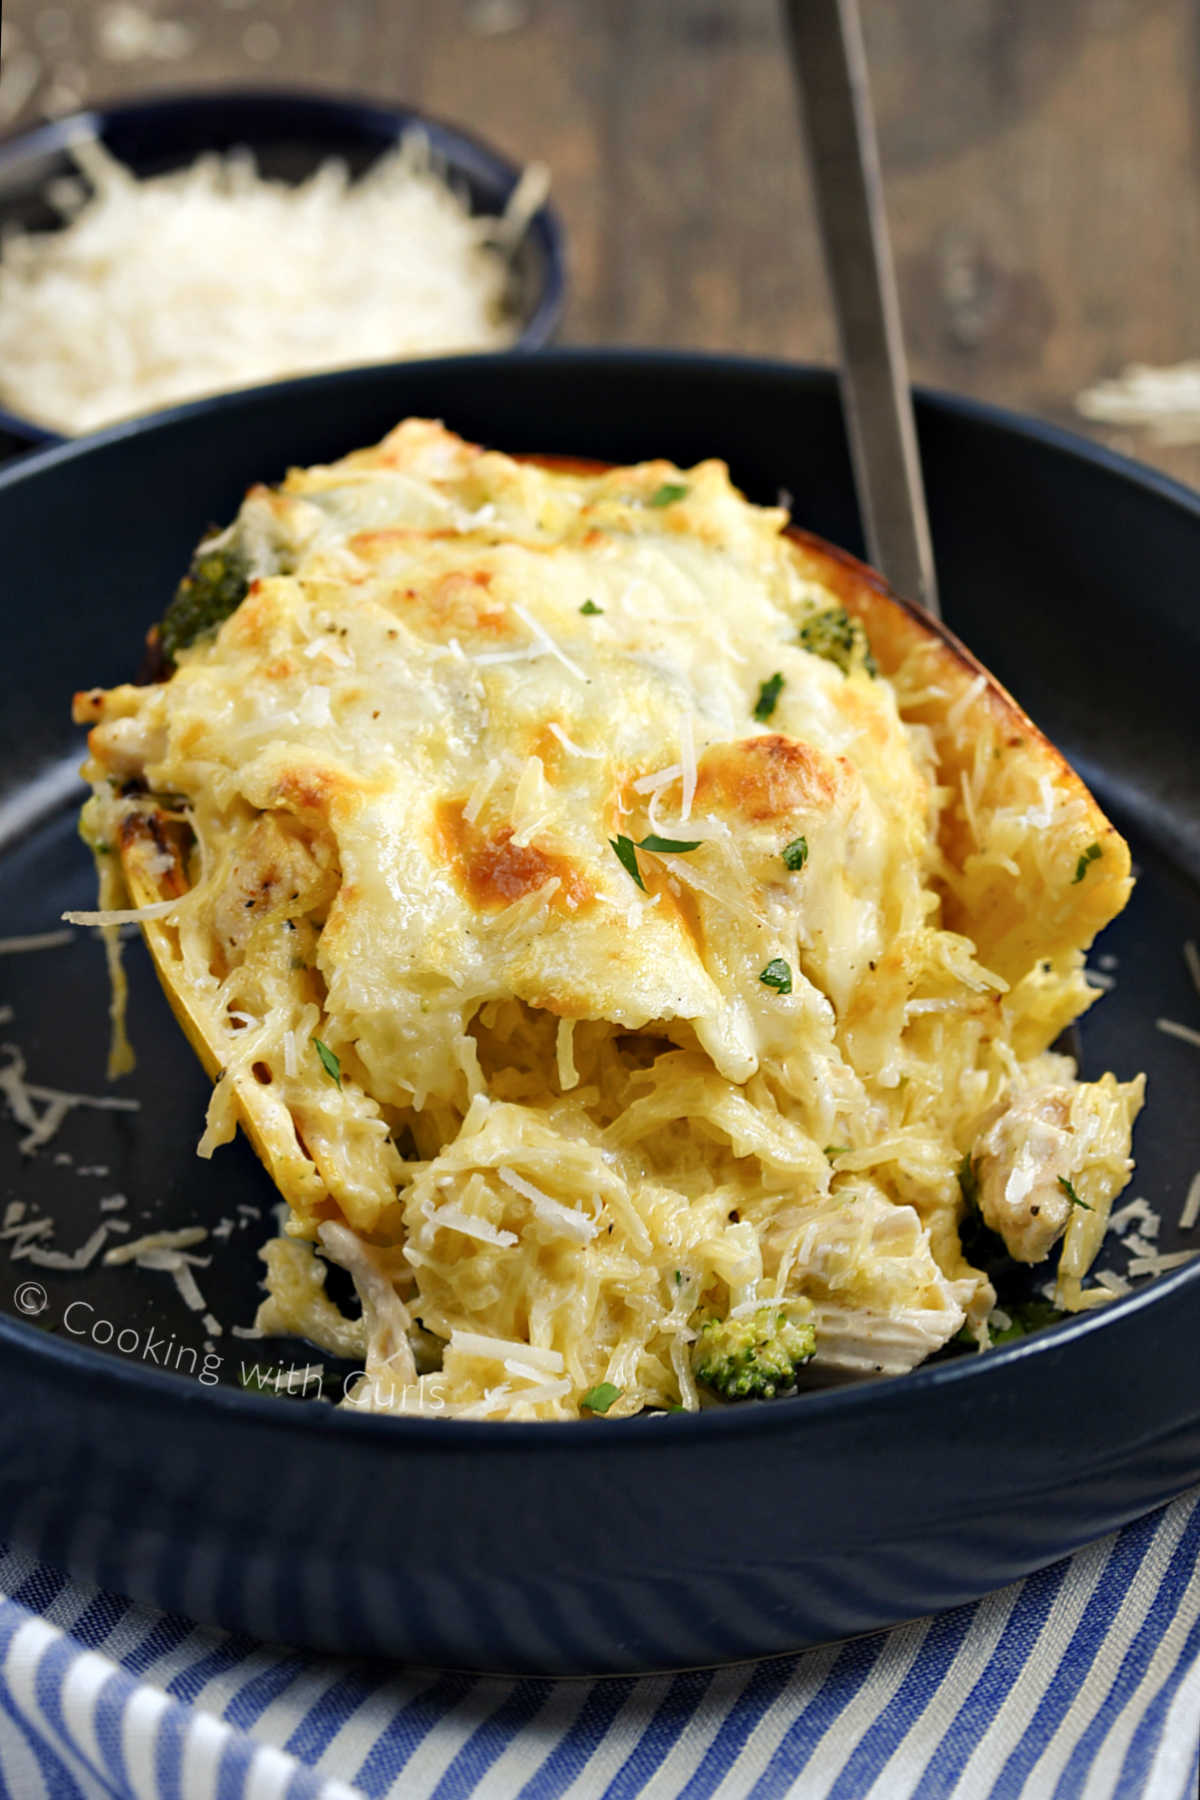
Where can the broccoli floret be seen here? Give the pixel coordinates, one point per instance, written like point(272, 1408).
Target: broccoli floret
point(755, 1357)
point(839, 639)
point(214, 586)
point(1026, 1316)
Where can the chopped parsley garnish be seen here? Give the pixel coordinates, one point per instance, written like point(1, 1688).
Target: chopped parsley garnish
point(679, 1278)
point(668, 494)
point(795, 854)
point(664, 845)
point(768, 697)
point(627, 851)
point(1092, 854)
point(777, 975)
point(329, 1061)
point(1068, 1188)
point(832, 1150)
point(590, 609)
point(601, 1397)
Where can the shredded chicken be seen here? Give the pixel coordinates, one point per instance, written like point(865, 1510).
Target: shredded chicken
point(1021, 1156)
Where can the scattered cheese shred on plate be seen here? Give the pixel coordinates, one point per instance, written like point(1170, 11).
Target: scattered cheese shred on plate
point(212, 277)
point(1164, 402)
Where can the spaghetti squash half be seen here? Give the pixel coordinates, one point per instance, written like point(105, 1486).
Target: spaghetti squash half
point(631, 938)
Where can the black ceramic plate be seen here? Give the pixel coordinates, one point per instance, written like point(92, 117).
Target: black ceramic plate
point(290, 133)
point(600, 1546)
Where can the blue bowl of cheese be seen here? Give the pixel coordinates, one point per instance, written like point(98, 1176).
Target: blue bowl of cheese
point(364, 233)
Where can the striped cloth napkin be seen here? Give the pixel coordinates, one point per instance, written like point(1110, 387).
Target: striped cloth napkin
point(1083, 1681)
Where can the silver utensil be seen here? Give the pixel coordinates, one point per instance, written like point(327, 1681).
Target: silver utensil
point(829, 66)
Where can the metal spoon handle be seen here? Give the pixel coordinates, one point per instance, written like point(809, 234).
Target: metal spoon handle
point(829, 66)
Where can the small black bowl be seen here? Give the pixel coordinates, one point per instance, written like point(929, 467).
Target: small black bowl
point(290, 133)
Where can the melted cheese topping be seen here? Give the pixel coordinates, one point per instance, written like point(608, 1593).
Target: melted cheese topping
point(557, 1116)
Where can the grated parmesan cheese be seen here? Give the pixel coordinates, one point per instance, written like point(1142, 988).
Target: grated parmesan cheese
point(687, 758)
point(212, 277)
point(1191, 1206)
point(1191, 956)
point(453, 1218)
point(1165, 402)
point(650, 784)
point(563, 1219)
point(1133, 1211)
point(476, 1343)
point(571, 746)
point(126, 915)
point(65, 1259)
point(1186, 1034)
point(543, 645)
point(56, 1103)
point(174, 1264)
point(157, 1240)
point(24, 1235)
point(38, 940)
point(1158, 1265)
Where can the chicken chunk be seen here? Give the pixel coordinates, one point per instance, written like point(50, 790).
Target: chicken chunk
point(1019, 1160)
point(277, 875)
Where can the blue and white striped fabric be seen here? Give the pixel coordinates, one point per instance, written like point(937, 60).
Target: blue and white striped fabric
point(1083, 1681)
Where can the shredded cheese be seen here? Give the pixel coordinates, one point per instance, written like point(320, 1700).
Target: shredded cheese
point(213, 277)
point(563, 1219)
point(21, 1095)
point(182, 1239)
point(1187, 1034)
point(1158, 1265)
point(126, 915)
point(1191, 1206)
point(1165, 402)
point(571, 746)
point(176, 1265)
point(62, 1259)
point(38, 940)
point(1133, 1212)
point(1191, 956)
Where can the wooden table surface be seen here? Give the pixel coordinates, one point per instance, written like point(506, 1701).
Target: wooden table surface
point(1041, 158)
